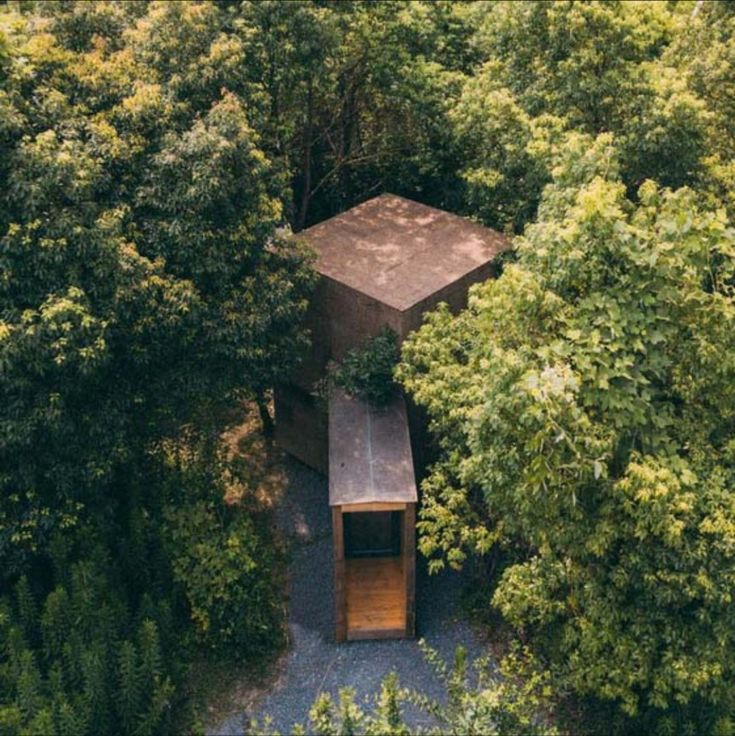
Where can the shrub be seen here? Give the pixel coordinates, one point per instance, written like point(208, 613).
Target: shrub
point(477, 700)
point(225, 568)
point(367, 372)
point(223, 559)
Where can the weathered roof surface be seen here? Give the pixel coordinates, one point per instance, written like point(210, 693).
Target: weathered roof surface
point(369, 452)
point(399, 251)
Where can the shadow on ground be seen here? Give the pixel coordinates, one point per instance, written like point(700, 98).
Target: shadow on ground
point(315, 663)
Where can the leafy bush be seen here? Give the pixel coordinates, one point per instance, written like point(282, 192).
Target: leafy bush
point(367, 372)
point(511, 701)
point(225, 567)
point(223, 560)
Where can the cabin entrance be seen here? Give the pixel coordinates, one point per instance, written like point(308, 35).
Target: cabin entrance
point(375, 576)
point(372, 492)
point(374, 566)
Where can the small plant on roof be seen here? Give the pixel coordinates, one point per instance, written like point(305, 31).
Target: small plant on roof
point(367, 372)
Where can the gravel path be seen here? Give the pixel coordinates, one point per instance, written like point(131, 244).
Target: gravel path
point(315, 663)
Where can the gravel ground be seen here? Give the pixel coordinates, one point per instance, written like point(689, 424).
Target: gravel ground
point(315, 663)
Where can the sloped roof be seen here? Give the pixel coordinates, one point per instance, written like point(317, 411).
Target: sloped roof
point(370, 457)
point(399, 251)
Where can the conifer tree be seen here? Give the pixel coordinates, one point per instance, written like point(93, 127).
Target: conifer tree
point(129, 687)
point(28, 685)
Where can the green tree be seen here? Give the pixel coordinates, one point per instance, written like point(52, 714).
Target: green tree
point(356, 97)
point(149, 153)
point(144, 286)
point(704, 55)
point(142, 273)
point(99, 671)
point(581, 61)
point(504, 150)
point(596, 67)
point(584, 406)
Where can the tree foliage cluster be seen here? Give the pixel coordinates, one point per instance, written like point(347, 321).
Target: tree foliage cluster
point(583, 403)
point(144, 287)
point(78, 662)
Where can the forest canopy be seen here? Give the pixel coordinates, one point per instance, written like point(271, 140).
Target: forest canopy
point(153, 157)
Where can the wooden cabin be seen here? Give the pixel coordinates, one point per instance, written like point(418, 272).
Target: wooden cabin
point(372, 493)
point(383, 263)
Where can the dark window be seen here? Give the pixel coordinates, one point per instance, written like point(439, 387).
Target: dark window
point(372, 533)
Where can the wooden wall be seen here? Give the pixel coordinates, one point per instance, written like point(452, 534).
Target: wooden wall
point(340, 597)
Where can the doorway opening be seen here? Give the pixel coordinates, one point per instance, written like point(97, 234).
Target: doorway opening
point(375, 573)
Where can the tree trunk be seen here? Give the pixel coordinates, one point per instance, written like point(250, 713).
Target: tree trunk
point(306, 173)
point(265, 415)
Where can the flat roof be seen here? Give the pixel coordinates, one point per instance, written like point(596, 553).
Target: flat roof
point(399, 251)
point(370, 457)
